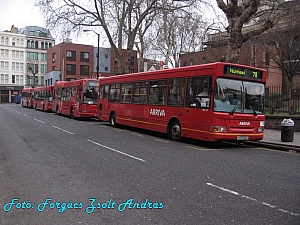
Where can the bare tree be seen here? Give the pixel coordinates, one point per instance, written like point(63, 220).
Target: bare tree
point(117, 18)
point(242, 12)
point(178, 28)
point(282, 44)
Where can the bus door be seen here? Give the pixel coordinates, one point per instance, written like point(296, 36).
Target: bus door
point(103, 103)
point(198, 103)
point(79, 98)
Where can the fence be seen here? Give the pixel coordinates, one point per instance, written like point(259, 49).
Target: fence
point(282, 99)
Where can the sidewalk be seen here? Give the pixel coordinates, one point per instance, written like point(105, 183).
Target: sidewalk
point(274, 137)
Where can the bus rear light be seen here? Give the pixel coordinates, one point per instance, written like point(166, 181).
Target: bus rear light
point(218, 129)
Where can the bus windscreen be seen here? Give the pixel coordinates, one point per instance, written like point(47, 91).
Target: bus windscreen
point(90, 92)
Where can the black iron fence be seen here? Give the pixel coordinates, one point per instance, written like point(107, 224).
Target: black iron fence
point(282, 99)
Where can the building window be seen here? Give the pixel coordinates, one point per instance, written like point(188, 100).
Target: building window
point(4, 66)
point(191, 62)
point(204, 60)
point(84, 70)
point(71, 55)
point(84, 57)
point(106, 56)
point(13, 43)
point(43, 56)
point(267, 62)
point(3, 78)
point(4, 53)
point(17, 79)
point(131, 61)
point(106, 68)
point(71, 69)
point(53, 57)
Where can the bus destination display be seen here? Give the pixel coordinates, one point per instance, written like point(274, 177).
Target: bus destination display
point(247, 73)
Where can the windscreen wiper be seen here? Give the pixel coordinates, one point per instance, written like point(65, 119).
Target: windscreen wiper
point(254, 112)
point(233, 110)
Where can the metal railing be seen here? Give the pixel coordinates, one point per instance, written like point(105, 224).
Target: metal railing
point(282, 99)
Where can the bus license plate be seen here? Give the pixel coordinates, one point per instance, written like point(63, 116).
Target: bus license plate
point(242, 138)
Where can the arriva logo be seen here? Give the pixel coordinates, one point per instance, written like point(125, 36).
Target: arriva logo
point(244, 123)
point(157, 112)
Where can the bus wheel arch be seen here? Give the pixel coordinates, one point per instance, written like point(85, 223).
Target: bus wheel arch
point(174, 129)
point(112, 119)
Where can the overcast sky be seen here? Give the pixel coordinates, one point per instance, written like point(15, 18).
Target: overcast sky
point(22, 13)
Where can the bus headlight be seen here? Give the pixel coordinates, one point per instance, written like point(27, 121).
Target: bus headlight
point(260, 130)
point(218, 129)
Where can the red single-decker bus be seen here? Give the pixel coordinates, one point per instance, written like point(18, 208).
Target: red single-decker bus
point(210, 102)
point(27, 97)
point(42, 99)
point(76, 98)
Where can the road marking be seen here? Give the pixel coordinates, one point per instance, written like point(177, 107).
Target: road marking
point(117, 129)
point(137, 134)
point(204, 149)
point(112, 149)
point(252, 199)
point(39, 121)
point(162, 141)
point(26, 115)
point(63, 130)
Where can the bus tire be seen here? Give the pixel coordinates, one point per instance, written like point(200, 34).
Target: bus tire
point(72, 112)
point(112, 119)
point(175, 130)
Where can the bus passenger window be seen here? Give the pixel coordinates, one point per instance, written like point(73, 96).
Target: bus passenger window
point(176, 92)
point(104, 91)
point(198, 92)
point(114, 94)
point(140, 92)
point(158, 91)
point(126, 92)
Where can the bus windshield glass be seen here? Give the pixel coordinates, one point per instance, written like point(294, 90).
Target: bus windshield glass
point(90, 95)
point(238, 96)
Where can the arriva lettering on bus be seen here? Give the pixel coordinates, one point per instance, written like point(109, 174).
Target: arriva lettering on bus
point(245, 123)
point(157, 112)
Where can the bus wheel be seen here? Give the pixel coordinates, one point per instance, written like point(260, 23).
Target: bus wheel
point(72, 113)
point(175, 130)
point(112, 119)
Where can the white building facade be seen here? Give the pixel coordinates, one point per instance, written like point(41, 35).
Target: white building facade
point(23, 57)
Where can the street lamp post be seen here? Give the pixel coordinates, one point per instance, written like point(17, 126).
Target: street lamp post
point(97, 67)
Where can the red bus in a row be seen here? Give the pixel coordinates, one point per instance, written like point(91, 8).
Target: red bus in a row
point(76, 98)
point(210, 102)
point(42, 98)
point(27, 97)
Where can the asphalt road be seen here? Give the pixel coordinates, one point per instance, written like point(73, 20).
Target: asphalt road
point(55, 170)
